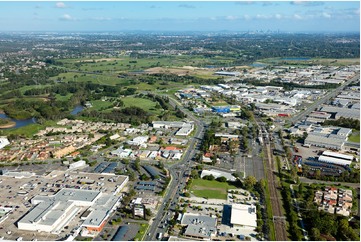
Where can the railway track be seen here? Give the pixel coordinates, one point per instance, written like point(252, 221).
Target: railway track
point(275, 197)
point(279, 223)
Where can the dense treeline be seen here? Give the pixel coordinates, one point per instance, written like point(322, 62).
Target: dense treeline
point(162, 100)
point(95, 91)
point(291, 213)
point(289, 86)
point(209, 136)
point(24, 109)
point(132, 115)
point(344, 122)
point(352, 176)
point(186, 79)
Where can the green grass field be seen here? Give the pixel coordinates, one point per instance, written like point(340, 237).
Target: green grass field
point(143, 103)
point(210, 189)
point(126, 63)
point(354, 137)
point(25, 88)
point(28, 130)
point(63, 98)
point(99, 104)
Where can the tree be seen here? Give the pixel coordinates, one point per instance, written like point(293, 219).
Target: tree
point(315, 234)
point(318, 174)
point(209, 177)
point(137, 164)
point(194, 174)
point(148, 212)
point(222, 179)
point(249, 182)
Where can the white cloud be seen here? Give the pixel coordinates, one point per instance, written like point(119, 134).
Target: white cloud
point(278, 16)
point(230, 17)
point(101, 18)
point(245, 2)
point(326, 15)
point(246, 17)
point(60, 5)
point(186, 6)
point(67, 17)
point(296, 16)
point(262, 16)
point(307, 3)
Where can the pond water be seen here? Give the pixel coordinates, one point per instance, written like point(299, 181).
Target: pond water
point(77, 110)
point(257, 64)
point(19, 123)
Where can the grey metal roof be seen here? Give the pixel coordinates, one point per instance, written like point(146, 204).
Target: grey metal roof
point(120, 234)
point(197, 219)
point(342, 112)
point(199, 231)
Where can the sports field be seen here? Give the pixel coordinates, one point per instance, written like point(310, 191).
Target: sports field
point(210, 189)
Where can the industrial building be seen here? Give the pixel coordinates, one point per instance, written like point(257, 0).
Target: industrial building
point(328, 137)
point(324, 142)
point(184, 128)
point(218, 173)
point(77, 164)
point(342, 112)
point(121, 233)
point(221, 109)
point(199, 226)
point(52, 213)
point(336, 158)
point(227, 73)
point(243, 215)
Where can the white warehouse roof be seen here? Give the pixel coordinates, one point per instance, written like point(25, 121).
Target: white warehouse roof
point(333, 160)
point(217, 173)
point(337, 155)
point(245, 215)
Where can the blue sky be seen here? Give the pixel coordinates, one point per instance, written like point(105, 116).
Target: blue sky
point(296, 16)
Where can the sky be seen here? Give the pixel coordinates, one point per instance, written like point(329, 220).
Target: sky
point(284, 16)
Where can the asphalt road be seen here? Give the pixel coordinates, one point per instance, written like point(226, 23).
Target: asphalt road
point(322, 100)
point(178, 180)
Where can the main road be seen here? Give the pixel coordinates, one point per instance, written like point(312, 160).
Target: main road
point(177, 172)
point(322, 100)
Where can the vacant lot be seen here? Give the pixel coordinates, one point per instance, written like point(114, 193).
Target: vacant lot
point(143, 103)
point(210, 189)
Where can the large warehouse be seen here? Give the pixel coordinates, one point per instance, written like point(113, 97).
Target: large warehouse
point(342, 112)
point(335, 158)
point(52, 213)
point(243, 215)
